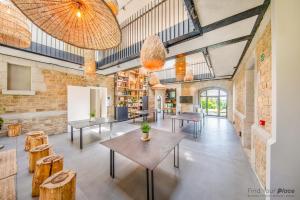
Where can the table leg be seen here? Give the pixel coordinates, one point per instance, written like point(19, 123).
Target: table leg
point(110, 126)
point(112, 163)
point(72, 133)
point(99, 128)
point(152, 185)
point(176, 157)
point(81, 138)
point(147, 176)
point(163, 114)
point(194, 129)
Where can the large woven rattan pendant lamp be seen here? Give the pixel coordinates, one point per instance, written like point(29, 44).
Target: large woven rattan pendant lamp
point(14, 29)
point(88, 24)
point(113, 5)
point(153, 53)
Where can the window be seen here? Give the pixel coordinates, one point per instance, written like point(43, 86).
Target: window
point(18, 77)
point(214, 102)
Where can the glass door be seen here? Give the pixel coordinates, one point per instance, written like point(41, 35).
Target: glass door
point(212, 106)
point(214, 102)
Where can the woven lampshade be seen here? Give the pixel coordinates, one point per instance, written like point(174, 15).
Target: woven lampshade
point(113, 5)
point(88, 24)
point(180, 67)
point(153, 53)
point(14, 29)
point(159, 87)
point(153, 79)
point(189, 76)
point(89, 63)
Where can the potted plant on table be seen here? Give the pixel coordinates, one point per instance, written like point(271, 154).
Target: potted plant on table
point(1, 122)
point(145, 127)
point(92, 116)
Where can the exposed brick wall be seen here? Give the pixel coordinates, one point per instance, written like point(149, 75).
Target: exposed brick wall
point(264, 73)
point(262, 85)
point(51, 96)
point(55, 96)
point(260, 159)
point(240, 91)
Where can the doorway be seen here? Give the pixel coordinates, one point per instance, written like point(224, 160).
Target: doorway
point(213, 101)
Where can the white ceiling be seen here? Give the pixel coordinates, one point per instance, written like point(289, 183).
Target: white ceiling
point(225, 58)
point(132, 7)
point(210, 11)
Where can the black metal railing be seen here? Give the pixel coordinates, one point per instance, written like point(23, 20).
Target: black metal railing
point(200, 71)
point(166, 18)
point(46, 45)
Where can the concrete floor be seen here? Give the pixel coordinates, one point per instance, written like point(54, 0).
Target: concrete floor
point(214, 167)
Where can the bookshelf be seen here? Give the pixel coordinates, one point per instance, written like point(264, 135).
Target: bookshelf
point(131, 92)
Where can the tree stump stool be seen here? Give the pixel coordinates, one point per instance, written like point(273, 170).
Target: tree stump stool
point(59, 186)
point(30, 136)
point(37, 153)
point(29, 140)
point(14, 130)
point(45, 167)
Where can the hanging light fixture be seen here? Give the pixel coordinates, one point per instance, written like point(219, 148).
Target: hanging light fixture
point(189, 76)
point(153, 53)
point(159, 87)
point(87, 24)
point(113, 5)
point(153, 80)
point(14, 29)
point(89, 63)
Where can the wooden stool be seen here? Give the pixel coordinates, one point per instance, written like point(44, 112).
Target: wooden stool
point(34, 139)
point(59, 186)
point(14, 130)
point(37, 153)
point(44, 168)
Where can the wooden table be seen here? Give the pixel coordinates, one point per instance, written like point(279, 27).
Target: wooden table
point(147, 154)
point(196, 118)
point(80, 124)
point(173, 111)
point(8, 171)
point(143, 113)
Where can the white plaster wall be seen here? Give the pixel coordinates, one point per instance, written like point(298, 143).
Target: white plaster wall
point(284, 153)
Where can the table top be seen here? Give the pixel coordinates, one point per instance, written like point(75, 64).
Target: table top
point(142, 112)
point(148, 154)
point(87, 123)
point(190, 116)
point(8, 163)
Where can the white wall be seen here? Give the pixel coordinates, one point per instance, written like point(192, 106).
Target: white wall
point(78, 103)
point(284, 153)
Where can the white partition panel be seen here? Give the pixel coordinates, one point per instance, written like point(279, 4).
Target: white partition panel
point(78, 103)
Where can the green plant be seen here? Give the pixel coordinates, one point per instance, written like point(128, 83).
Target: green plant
point(1, 121)
point(93, 114)
point(145, 127)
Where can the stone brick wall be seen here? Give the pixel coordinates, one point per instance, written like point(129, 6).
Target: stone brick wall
point(264, 74)
point(259, 148)
point(240, 91)
point(37, 112)
point(247, 119)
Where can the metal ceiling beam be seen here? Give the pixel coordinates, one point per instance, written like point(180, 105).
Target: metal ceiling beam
point(259, 10)
point(255, 27)
point(208, 61)
point(190, 5)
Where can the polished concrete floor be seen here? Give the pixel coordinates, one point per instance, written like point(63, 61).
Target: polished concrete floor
point(213, 167)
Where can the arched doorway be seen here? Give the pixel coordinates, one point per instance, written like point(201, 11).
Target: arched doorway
point(213, 101)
